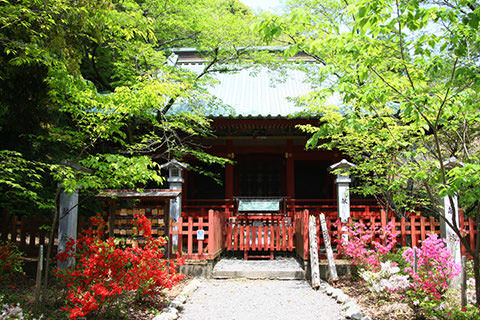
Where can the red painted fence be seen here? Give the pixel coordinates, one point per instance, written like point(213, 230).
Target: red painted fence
point(358, 207)
point(412, 230)
point(29, 232)
point(200, 208)
point(260, 235)
point(197, 249)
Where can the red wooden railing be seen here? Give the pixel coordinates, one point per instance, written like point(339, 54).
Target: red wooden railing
point(216, 221)
point(26, 231)
point(412, 230)
point(199, 207)
point(192, 248)
point(301, 233)
point(263, 235)
point(358, 207)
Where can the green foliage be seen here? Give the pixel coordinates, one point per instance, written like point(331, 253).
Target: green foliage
point(397, 257)
point(86, 90)
point(405, 77)
point(454, 313)
point(406, 82)
point(21, 182)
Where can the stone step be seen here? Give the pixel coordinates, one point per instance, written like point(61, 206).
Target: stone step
point(278, 269)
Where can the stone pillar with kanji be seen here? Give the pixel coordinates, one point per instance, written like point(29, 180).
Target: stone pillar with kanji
point(450, 206)
point(343, 188)
point(175, 181)
point(67, 224)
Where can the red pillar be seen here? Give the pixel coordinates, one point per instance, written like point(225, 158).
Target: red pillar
point(290, 170)
point(228, 181)
point(229, 171)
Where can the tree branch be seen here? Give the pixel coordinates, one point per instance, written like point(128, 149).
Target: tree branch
point(437, 119)
point(400, 43)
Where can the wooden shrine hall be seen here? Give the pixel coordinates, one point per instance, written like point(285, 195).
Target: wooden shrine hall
point(272, 176)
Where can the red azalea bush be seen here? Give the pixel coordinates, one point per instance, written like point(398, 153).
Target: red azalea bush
point(367, 246)
point(10, 262)
point(105, 269)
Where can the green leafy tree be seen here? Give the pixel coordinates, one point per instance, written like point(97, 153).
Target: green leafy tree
point(406, 78)
point(87, 88)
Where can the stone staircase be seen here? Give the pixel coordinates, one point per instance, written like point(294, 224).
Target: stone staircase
point(281, 268)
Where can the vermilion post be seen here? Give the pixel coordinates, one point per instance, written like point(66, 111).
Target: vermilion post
point(305, 234)
point(383, 217)
point(211, 232)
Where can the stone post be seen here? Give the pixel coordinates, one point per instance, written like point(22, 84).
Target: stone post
point(451, 215)
point(175, 180)
point(67, 224)
point(343, 188)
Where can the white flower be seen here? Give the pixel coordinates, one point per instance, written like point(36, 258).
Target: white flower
point(385, 279)
point(387, 268)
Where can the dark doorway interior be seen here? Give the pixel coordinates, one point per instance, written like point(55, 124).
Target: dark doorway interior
point(259, 176)
point(312, 180)
point(204, 186)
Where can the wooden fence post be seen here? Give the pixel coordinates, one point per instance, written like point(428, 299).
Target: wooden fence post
point(383, 218)
point(415, 263)
point(5, 225)
point(403, 232)
point(332, 270)
point(23, 233)
point(305, 234)
point(315, 269)
point(33, 227)
point(14, 229)
point(38, 281)
point(211, 232)
point(190, 236)
point(179, 246)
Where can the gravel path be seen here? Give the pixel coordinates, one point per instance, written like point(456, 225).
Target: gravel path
point(259, 300)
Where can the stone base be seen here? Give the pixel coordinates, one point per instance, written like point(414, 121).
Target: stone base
point(280, 269)
point(198, 268)
point(344, 268)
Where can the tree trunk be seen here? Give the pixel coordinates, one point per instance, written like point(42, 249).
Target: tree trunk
point(476, 274)
point(51, 238)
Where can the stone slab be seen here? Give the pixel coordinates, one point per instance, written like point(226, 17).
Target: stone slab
point(197, 268)
point(278, 269)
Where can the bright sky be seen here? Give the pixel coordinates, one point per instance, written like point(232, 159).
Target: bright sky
point(265, 5)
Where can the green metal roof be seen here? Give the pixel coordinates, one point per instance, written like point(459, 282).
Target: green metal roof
point(248, 93)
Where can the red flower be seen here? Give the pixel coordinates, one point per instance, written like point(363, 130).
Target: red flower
point(105, 269)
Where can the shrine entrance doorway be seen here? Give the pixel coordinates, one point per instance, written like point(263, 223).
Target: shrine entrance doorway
point(260, 176)
point(260, 225)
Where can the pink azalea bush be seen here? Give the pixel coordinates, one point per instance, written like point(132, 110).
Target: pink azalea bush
point(424, 289)
point(435, 267)
point(367, 246)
